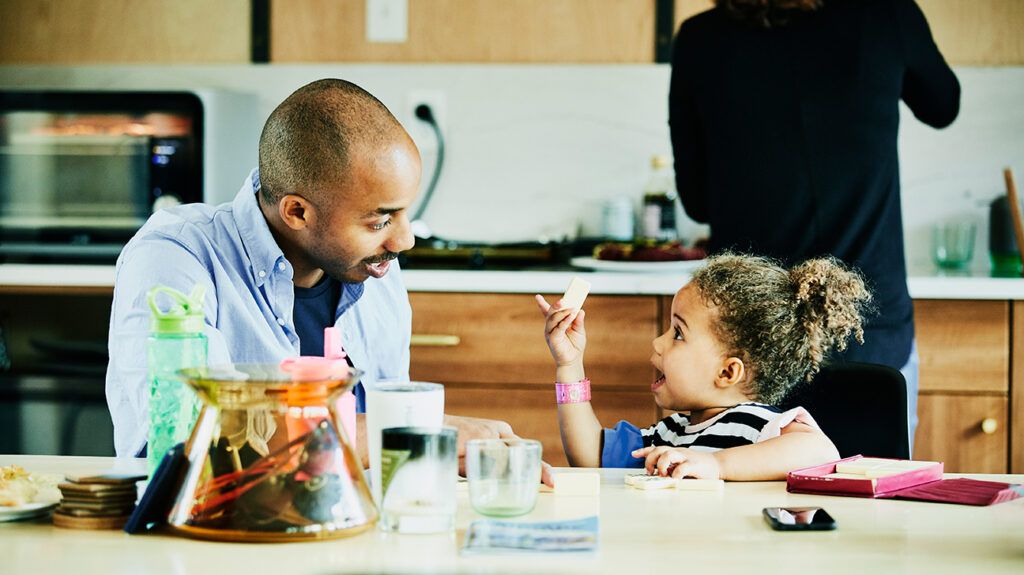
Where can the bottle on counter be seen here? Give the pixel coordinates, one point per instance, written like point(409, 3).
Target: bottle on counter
point(1002, 243)
point(176, 342)
point(658, 211)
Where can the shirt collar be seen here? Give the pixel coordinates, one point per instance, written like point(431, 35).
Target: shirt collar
point(264, 253)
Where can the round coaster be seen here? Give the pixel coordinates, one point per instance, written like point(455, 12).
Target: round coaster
point(61, 519)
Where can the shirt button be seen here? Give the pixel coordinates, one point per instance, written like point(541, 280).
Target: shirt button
point(281, 266)
point(262, 274)
point(280, 321)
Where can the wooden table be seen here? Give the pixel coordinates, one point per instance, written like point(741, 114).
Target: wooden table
point(641, 532)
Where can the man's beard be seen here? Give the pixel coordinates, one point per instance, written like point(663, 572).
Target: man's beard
point(351, 274)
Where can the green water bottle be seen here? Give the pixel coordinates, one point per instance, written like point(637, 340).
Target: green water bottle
point(176, 342)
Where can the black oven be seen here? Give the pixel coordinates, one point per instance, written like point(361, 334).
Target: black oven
point(81, 171)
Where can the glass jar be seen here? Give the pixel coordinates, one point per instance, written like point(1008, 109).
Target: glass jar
point(268, 459)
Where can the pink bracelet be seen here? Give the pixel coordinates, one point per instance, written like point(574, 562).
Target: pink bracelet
point(576, 392)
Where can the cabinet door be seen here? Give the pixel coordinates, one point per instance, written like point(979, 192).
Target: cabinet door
point(963, 345)
point(485, 31)
point(123, 31)
point(533, 414)
point(967, 433)
point(489, 351)
point(499, 339)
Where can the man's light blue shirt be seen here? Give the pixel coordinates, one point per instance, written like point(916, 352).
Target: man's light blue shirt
point(248, 303)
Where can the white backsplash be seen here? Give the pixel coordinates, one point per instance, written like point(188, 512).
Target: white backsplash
point(533, 150)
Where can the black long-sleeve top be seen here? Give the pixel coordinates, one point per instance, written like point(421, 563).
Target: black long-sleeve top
point(785, 140)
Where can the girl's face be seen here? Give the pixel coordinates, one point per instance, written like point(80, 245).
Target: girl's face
point(688, 356)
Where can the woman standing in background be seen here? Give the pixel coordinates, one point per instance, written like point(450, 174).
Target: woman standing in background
point(784, 117)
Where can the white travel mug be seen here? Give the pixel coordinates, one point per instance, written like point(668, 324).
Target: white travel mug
point(399, 404)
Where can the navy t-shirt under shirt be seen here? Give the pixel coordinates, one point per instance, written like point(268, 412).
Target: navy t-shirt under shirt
point(315, 309)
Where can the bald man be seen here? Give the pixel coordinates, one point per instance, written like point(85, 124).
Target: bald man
point(308, 242)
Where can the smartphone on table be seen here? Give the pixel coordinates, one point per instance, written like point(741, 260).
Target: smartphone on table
point(798, 519)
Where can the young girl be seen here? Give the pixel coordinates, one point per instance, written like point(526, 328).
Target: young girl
point(743, 332)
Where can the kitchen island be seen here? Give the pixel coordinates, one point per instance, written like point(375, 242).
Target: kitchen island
point(640, 532)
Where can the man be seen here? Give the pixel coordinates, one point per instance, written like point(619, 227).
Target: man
point(308, 242)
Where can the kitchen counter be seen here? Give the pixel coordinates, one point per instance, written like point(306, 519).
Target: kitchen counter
point(640, 532)
point(923, 283)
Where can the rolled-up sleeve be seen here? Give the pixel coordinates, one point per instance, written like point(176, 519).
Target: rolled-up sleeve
point(619, 444)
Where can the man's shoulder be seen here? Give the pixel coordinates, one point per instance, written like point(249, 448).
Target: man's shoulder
point(191, 226)
point(193, 219)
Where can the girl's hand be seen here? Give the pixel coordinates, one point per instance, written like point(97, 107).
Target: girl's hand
point(564, 332)
point(679, 462)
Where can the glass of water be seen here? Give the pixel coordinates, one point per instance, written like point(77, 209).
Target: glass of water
point(953, 243)
point(503, 475)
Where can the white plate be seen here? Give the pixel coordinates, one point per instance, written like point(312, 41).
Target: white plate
point(636, 267)
point(25, 511)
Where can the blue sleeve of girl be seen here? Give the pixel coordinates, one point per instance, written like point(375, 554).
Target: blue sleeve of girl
point(619, 443)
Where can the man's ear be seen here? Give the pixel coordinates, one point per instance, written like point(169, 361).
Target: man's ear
point(296, 212)
point(732, 372)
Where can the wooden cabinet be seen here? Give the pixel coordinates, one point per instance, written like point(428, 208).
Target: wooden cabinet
point(966, 432)
point(964, 385)
point(485, 31)
point(124, 31)
point(489, 351)
point(969, 32)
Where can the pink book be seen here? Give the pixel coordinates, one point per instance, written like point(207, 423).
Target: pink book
point(897, 479)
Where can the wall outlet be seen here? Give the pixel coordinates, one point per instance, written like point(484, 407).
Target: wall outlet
point(421, 131)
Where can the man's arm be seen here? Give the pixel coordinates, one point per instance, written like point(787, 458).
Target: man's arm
point(147, 263)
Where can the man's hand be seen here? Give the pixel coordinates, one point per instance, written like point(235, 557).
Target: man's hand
point(679, 462)
point(476, 428)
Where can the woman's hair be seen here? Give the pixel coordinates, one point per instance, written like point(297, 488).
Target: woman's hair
point(782, 324)
point(767, 13)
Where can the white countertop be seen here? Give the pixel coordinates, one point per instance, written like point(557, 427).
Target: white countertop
point(640, 532)
point(923, 284)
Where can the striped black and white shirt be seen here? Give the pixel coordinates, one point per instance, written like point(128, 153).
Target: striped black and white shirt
point(743, 424)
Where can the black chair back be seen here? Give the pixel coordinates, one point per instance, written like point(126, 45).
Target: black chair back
point(861, 407)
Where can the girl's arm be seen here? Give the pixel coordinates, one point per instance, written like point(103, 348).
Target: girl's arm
point(799, 446)
point(578, 424)
point(567, 339)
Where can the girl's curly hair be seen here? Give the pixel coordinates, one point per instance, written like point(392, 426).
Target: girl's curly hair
point(782, 324)
point(767, 13)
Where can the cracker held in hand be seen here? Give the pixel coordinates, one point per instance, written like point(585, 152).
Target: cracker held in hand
point(576, 293)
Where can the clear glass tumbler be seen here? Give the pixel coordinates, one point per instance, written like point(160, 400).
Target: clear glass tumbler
point(503, 475)
point(953, 243)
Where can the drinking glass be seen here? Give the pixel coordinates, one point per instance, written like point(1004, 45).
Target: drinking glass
point(419, 469)
point(953, 243)
point(503, 475)
point(398, 404)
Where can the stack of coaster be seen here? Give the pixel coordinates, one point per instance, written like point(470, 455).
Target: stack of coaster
point(97, 501)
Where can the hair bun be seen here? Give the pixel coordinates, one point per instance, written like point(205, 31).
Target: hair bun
point(831, 299)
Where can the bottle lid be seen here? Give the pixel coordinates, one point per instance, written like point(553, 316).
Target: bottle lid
point(660, 161)
point(184, 317)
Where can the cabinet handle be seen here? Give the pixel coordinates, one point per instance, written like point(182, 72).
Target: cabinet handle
point(989, 425)
point(434, 340)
